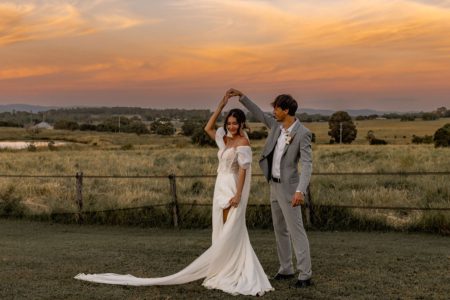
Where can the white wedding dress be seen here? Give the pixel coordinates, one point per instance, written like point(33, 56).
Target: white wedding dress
point(230, 264)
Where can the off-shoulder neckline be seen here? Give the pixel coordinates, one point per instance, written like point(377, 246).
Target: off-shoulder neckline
point(226, 147)
point(234, 148)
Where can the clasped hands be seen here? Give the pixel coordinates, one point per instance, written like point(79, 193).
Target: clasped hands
point(229, 94)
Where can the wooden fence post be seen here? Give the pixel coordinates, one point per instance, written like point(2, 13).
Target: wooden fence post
point(175, 208)
point(308, 206)
point(79, 177)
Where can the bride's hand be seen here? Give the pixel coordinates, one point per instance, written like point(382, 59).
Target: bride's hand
point(235, 201)
point(224, 101)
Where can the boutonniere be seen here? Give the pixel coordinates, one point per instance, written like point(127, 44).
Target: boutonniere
point(288, 139)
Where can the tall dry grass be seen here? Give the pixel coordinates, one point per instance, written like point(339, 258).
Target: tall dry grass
point(101, 154)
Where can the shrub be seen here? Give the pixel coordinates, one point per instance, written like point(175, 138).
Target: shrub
point(66, 125)
point(373, 140)
point(31, 147)
point(188, 128)
point(102, 127)
point(162, 127)
point(201, 138)
point(9, 124)
point(426, 139)
point(433, 222)
point(10, 204)
point(430, 116)
point(137, 127)
point(376, 141)
point(442, 136)
point(51, 146)
point(127, 147)
point(88, 127)
point(197, 187)
point(258, 134)
point(408, 117)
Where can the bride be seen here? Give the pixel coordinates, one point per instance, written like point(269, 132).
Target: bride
point(230, 264)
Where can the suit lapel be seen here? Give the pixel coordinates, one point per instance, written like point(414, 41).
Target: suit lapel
point(292, 135)
point(273, 142)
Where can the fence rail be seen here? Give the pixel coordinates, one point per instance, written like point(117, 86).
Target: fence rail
point(174, 204)
point(212, 176)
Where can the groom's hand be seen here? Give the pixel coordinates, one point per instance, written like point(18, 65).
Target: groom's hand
point(298, 199)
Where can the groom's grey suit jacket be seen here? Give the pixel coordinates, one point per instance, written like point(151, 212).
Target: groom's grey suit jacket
point(299, 149)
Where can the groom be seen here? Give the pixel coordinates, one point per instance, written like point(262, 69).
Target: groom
point(287, 143)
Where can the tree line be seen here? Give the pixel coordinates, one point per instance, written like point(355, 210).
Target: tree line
point(341, 126)
point(95, 115)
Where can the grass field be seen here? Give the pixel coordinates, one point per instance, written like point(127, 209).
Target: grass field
point(393, 131)
point(97, 153)
point(39, 260)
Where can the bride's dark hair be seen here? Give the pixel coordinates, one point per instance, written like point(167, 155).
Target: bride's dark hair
point(240, 118)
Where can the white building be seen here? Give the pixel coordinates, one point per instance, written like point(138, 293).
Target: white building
point(43, 125)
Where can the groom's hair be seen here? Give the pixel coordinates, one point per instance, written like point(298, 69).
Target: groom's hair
point(240, 118)
point(285, 101)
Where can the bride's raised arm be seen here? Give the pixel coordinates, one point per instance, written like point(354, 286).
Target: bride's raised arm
point(210, 127)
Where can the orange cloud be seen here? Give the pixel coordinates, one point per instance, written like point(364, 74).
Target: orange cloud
point(321, 46)
point(27, 72)
point(20, 23)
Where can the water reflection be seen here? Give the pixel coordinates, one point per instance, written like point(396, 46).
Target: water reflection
point(17, 145)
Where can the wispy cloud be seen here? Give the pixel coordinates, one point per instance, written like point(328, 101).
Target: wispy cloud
point(43, 21)
point(31, 22)
point(25, 72)
point(318, 47)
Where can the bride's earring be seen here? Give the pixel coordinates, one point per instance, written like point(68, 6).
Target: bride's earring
point(241, 130)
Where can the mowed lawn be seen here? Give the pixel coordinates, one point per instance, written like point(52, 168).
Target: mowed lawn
point(39, 260)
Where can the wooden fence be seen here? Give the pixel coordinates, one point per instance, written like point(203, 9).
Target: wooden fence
point(174, 203)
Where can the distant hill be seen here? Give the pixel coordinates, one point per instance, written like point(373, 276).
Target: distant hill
point(25, 107)
point(309, 111)
point(351, 112)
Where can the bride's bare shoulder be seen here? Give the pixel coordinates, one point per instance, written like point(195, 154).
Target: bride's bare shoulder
point(243, 141)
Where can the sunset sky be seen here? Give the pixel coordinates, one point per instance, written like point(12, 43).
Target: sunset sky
point(329, 54)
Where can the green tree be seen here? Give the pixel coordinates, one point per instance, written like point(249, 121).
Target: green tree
point(200, 137)
point(407, 117)
point(442, 136)
point(429, 116)
point(258, 134)
point(137, 127)
point(348, 128)
point(189, 126)
point(66, 125)
point(112, 124)
point(162, 127)
point(88, 127)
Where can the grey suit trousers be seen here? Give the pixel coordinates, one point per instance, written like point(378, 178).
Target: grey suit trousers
point(286, 220)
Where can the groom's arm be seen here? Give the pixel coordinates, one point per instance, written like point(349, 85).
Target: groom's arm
point(306, 161)
point(269, 121)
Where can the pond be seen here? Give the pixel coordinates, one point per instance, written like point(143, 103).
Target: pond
point(17, 145)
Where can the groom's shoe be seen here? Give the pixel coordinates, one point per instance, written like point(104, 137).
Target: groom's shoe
point(303, 283)
point(283, 276)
